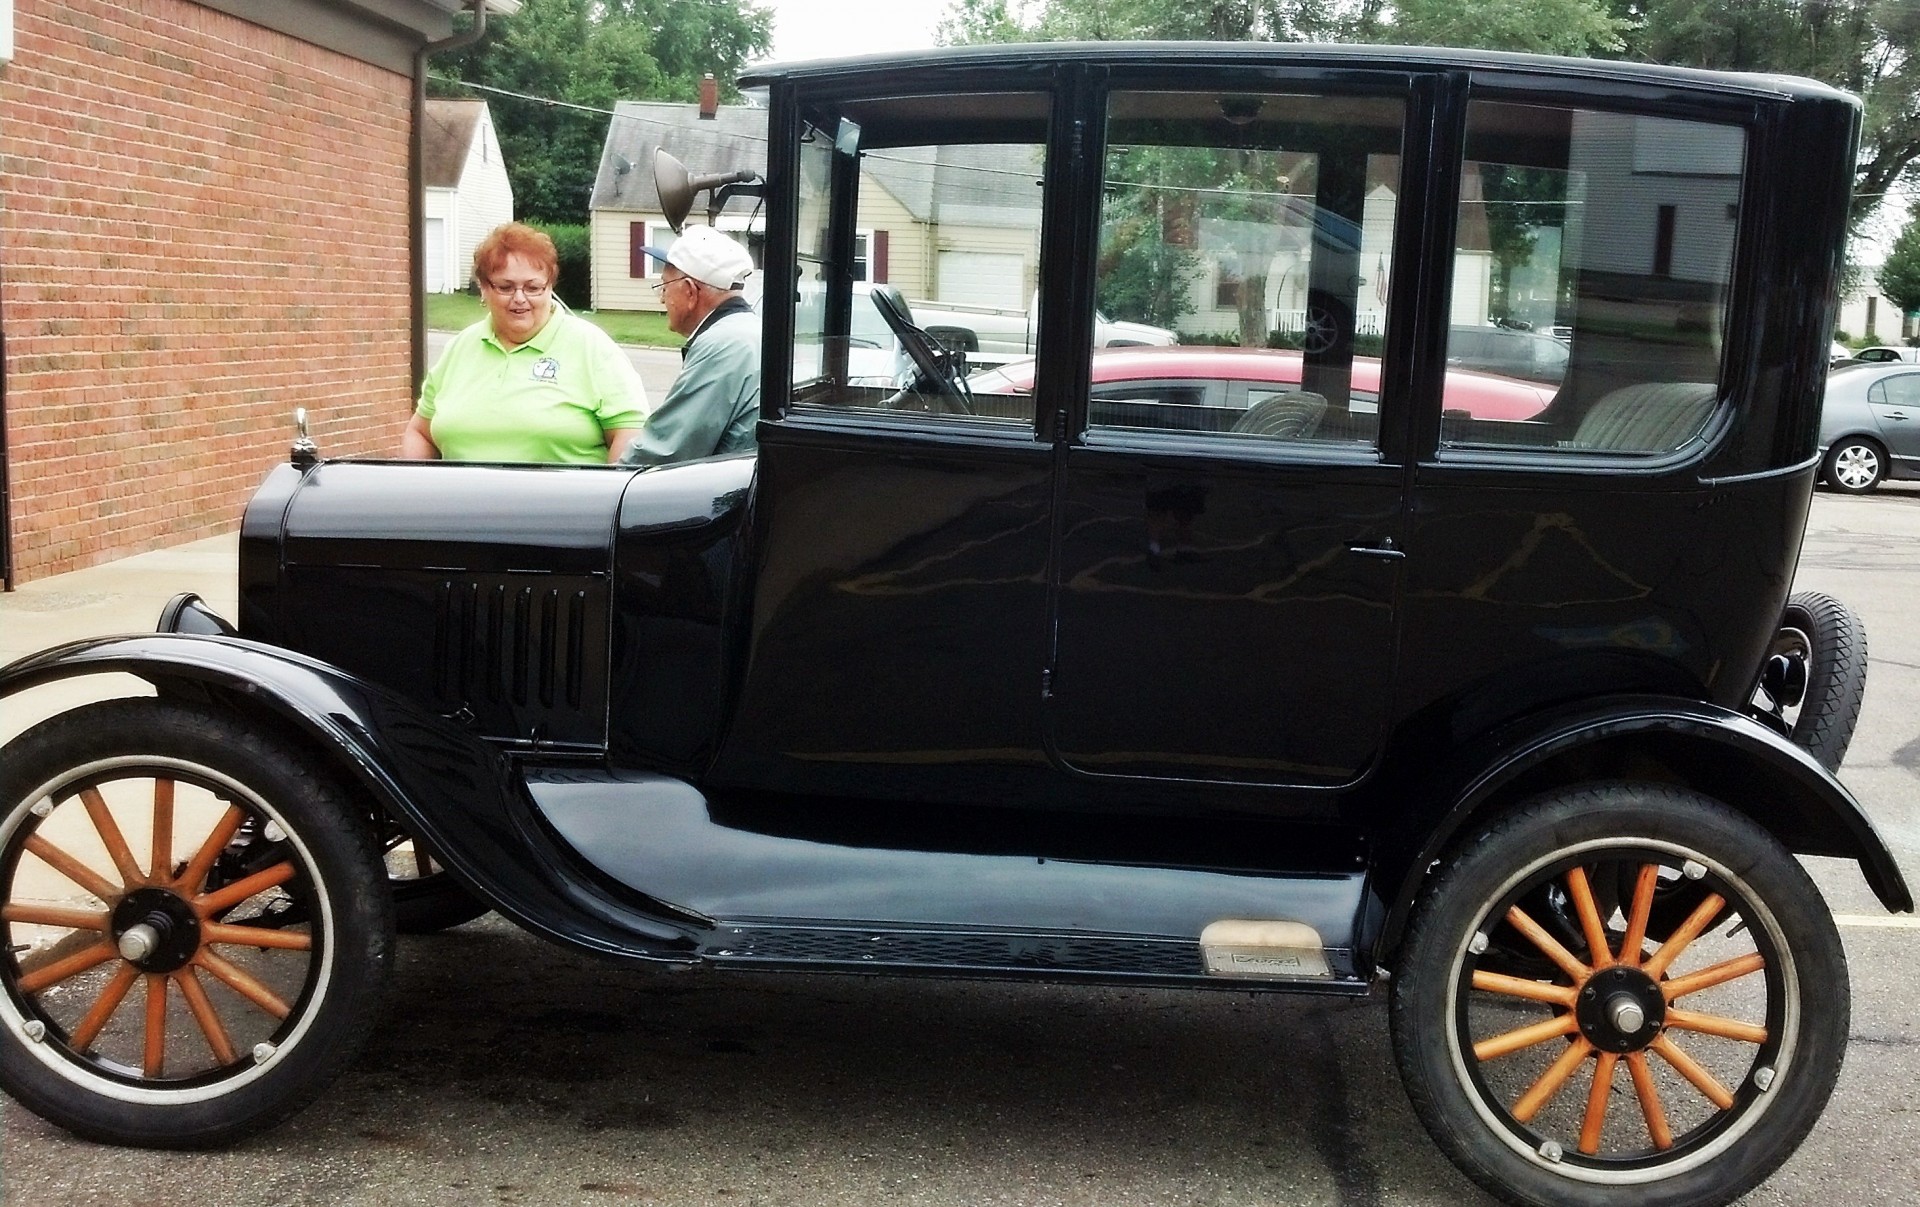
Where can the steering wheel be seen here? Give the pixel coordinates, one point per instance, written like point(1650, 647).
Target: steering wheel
point(933, 371)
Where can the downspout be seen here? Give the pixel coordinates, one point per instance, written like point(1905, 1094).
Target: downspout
point(416, 193)
point(6, 508)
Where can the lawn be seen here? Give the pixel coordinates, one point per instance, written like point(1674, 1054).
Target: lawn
point(452, 311)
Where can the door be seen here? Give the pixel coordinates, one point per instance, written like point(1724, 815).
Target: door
point(1226, 575)
point(1896, 407)
point(983, 278)
point(435, 239)
point(899, 599)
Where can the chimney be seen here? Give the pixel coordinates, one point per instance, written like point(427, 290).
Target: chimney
point(709, 97)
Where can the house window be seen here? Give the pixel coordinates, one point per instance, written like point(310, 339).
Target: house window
point(640, 236)
point(1227, 289)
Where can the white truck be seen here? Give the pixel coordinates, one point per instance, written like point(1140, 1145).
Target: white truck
point(992, 335)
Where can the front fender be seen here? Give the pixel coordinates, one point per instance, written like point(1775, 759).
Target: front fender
point(1715, 750)
point(446, 787)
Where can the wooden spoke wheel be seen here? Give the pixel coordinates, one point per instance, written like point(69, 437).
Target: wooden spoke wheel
point(194, 925)
point(1677, 1030)
point(426, 897)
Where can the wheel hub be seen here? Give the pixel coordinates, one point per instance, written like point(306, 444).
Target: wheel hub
point(1620, 1009)
point(155, 930)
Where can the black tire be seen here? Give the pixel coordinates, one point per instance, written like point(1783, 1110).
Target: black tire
point(426, 898)
point(1854, 465)
point(1816, 675)
point(1779, 1010)
point(257, 1016)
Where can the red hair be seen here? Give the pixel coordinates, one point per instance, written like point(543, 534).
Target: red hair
point(515, 239)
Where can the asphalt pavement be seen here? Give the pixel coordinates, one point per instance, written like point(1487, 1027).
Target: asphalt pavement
point(509, 1071)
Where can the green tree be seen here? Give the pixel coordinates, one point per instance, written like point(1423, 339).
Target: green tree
point(1863, 46)
point(1551, 26)
point(1900, 275)
point(592, 53)
point(1566, 27)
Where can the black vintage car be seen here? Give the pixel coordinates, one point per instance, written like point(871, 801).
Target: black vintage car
point(1298, 693)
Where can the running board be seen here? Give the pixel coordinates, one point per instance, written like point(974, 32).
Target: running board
point(782, 900)
point(1003, 954)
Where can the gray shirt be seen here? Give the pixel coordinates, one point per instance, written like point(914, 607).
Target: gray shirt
point(714, 404)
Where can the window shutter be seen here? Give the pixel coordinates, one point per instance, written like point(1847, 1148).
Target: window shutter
point(636, 241)
point(879, 257)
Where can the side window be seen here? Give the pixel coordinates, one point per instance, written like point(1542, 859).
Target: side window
point(944, 269)
point(1900, 391)
point(1256, 231)
point(1591, 272)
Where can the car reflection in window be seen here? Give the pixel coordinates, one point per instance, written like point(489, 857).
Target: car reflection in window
point(1213, 390)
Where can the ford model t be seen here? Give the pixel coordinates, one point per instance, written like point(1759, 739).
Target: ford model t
point(1201, 674)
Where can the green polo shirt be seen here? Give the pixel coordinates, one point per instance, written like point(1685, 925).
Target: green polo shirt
point(552, 399)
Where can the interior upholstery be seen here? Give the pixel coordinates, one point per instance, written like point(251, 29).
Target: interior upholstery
point(1291, 416)
point(1652, 417)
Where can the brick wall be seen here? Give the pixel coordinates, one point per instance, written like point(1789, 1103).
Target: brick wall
point(203, 224)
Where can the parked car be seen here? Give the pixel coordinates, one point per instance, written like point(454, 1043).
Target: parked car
point(1870, 426)
point(1838, 352)
point(1213, 389)
point(995, 335)
point(1886, 354)
point(1503, 350)
point(1516, 718)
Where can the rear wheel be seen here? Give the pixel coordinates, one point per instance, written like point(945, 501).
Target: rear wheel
point(197, 926)
point(1652, 1057)
point(1854, 465)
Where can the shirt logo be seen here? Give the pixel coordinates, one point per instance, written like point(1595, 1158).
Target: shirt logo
point(546, 369)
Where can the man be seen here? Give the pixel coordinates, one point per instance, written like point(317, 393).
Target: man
point(714, 404)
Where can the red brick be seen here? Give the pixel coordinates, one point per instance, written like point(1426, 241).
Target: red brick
point(180, 195)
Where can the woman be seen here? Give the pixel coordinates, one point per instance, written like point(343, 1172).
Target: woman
point(531, 381)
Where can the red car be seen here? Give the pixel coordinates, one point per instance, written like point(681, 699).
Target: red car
point(1197, 382)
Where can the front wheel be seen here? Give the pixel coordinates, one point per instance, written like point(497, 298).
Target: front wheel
point(1671, 1043)
point(198, 928)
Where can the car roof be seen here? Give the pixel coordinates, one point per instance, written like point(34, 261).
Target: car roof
point(1860, 375)
point(1160, 54)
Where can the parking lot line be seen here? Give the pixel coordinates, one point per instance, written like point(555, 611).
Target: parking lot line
point(1878, 922)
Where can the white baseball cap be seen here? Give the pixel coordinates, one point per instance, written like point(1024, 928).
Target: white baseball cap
point(707, 256)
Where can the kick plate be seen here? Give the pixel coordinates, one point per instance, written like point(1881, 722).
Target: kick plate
point(1264, 950)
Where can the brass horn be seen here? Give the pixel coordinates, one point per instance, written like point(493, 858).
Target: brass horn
point(677, 187)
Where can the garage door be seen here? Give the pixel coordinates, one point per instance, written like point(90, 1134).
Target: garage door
point(983, 278)
point(435, 237)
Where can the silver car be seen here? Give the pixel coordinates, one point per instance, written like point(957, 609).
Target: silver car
point(1870, 426)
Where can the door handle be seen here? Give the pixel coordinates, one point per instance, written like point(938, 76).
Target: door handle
point(1385, 549)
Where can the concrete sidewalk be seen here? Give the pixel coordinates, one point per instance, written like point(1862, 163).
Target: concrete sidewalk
point(123, 596)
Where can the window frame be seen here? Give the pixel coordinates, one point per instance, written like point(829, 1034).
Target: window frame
point(1416, 92)
point(1740, 322)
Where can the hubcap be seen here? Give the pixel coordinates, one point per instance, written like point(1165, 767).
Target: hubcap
point(155, 930)
point(1856, 467)
point(1621, 1009)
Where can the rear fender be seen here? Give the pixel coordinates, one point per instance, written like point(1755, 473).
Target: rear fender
point(465, 799)
point(1714, 750)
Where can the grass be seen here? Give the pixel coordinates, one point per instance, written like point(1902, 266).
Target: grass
point(452, 311)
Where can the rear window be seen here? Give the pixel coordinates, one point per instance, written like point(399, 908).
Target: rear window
point(1593, 256)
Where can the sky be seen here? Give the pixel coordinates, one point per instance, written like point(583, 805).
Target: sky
point(818, 29)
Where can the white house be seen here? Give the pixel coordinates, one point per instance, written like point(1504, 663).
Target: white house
point(955, 223)
point(466, 188)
